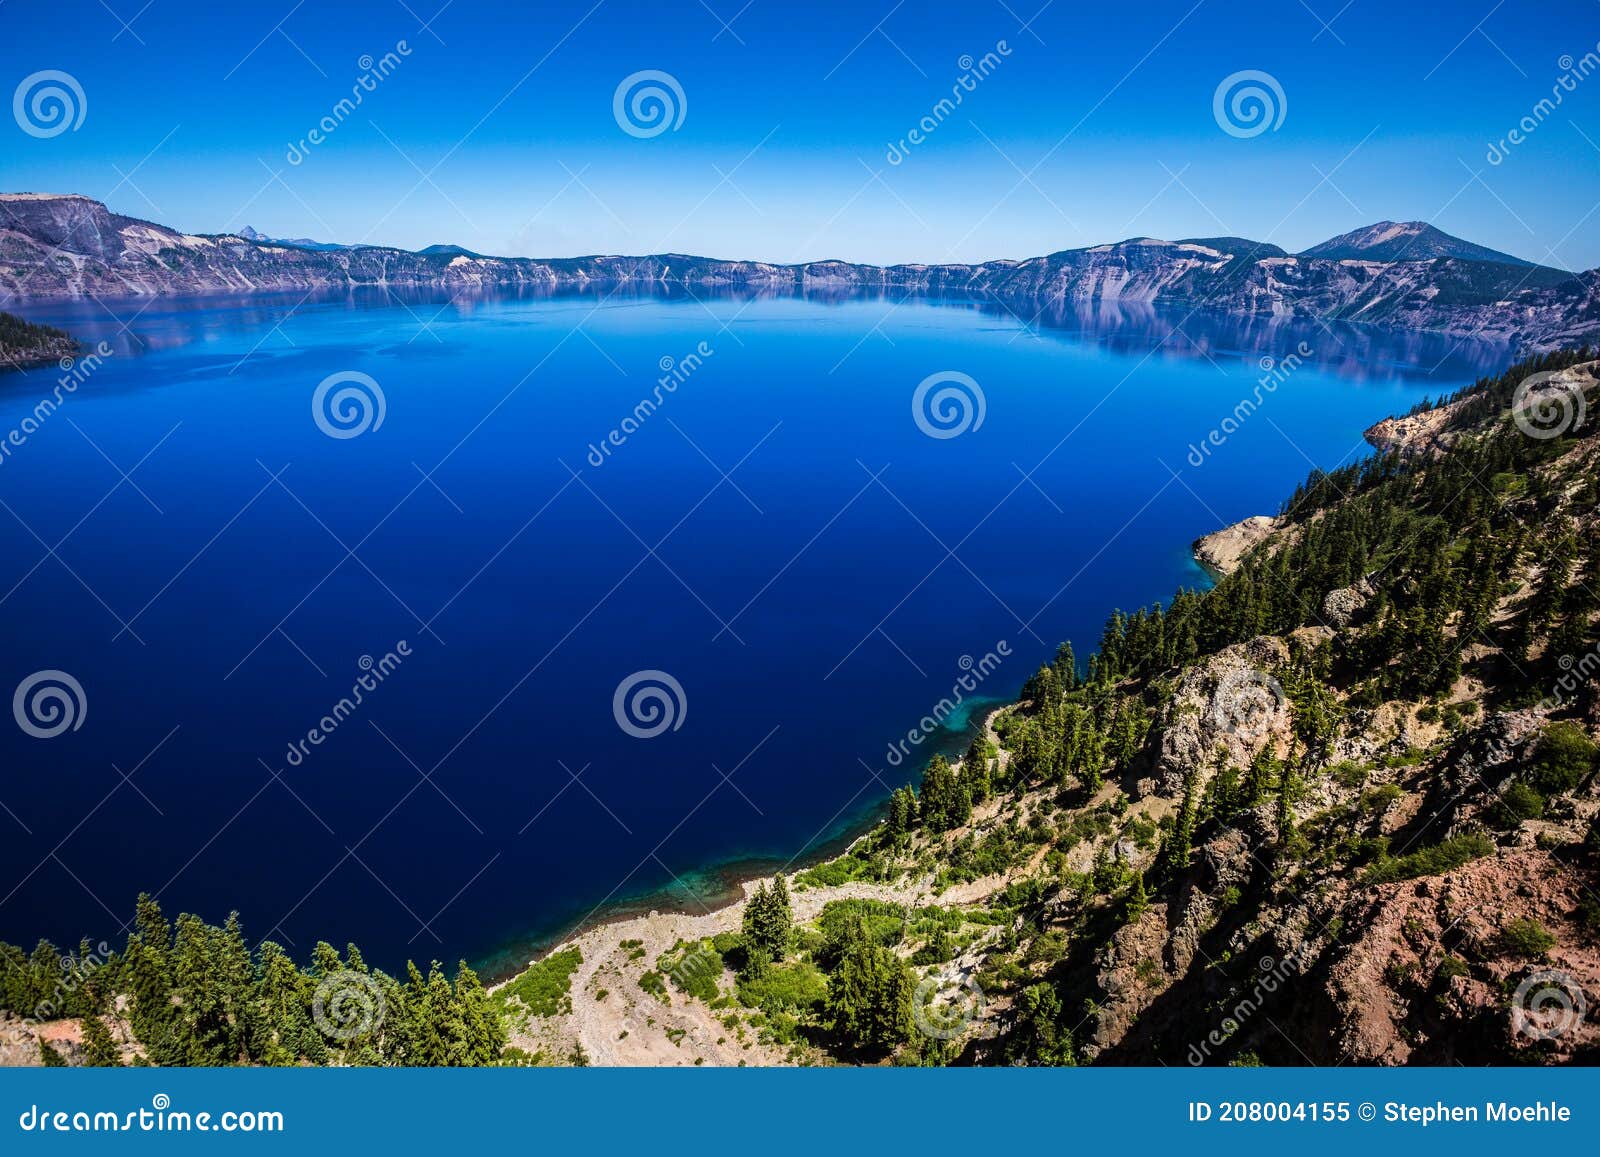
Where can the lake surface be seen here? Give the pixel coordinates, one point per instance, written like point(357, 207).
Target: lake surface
point(778, 534)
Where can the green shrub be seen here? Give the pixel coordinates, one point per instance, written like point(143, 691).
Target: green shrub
point(1526, 937)
point(1517, 803)
point(883, 921)
point(694, 969)
point(1564, 758)
point(652, 983)
point(545, 989)
point(833, 873)
point(1432, 861)
point(1589, 915)
point(1379, 798)
point(785, 988)
point(1348, 773)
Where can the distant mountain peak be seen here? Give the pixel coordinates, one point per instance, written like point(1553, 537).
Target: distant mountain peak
point(1405, 241)
point(260, 238)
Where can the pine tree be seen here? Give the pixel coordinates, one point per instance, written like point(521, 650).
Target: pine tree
point(1037, 1037)
point(899, 818)
point(782, 912)
point(424, 1044)
point(1263, 773)
point(1225, 792)
point(1181, 841)
point(99, 1050)
point(194, 996)
point(236, 982)
point(975, 768)
point(149, 966)
point(485, 1035)
point(751, 925)
point(943, 804)
point(448, 1026)
point(1138, 900)
point(1288, 789)
point(1066, 667)
point(768, 923)
point(869, 996)
point(283, 995)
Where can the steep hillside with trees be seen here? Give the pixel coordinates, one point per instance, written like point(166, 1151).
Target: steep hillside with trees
point(1340, 808)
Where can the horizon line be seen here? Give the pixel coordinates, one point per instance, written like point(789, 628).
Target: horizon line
point(1258, 245)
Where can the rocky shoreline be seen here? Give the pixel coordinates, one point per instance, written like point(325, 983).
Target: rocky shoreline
point(24, 345)
point(610, 1018)
point(1221, 551)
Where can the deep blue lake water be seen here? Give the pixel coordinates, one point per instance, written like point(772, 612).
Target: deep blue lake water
point(778, 535)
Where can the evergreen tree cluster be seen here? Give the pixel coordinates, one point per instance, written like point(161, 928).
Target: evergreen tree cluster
point(22, 339)
point(195, 994)
point(768, 925)
point(870, 991)
point(1476, 547)
point(1438, 541)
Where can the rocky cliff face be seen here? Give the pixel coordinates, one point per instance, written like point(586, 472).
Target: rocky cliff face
point(71, 246)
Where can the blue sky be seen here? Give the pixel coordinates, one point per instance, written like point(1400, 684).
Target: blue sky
point(497, 130)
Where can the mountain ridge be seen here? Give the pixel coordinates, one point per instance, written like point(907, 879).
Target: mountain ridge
point(1397, 240)
point(70, 246)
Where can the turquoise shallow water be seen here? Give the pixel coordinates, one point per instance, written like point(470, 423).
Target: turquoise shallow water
point(776, 532)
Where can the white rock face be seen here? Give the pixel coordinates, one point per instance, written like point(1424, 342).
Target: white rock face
point(1231, 702)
